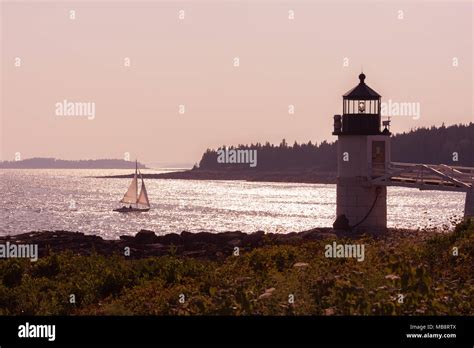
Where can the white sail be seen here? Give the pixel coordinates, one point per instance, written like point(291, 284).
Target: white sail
point(131, 195)
point(132, 192)
point(143, 197)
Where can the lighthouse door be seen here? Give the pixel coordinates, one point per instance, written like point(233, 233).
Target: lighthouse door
point(378, 158)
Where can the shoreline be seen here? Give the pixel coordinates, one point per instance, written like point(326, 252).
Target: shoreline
point(211, 246)
point(433, 272)
point(303, 176)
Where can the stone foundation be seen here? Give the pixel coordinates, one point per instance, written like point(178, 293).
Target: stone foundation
point(355, 197)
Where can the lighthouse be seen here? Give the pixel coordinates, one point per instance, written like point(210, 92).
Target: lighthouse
point(363, 154)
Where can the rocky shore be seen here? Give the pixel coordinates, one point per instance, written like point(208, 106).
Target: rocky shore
point(431, 268)
point(212, 246)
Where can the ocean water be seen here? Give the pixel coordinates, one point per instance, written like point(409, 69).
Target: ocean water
point(73, 200)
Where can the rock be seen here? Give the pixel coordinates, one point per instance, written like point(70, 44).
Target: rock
point(145, 237)
point(187, 237)
point(157, 246)
point(312, 235)
point(126, 238)
point(235, 242)
point(253, 239)
point(214, 246)
point(203, 239)
point(171, 238)
point(341, 223)
point(228, 236)
point(292, 238)
point(206, 237)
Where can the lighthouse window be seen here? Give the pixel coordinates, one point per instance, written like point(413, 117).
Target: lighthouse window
point(361, 106)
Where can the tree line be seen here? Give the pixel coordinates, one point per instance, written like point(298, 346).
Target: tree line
point(434, 145)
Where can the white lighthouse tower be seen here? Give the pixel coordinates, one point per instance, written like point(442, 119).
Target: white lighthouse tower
point(363, 152)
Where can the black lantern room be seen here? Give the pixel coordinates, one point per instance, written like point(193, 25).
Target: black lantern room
point(361, 111)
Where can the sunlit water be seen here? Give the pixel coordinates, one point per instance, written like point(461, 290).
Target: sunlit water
point(35, 200)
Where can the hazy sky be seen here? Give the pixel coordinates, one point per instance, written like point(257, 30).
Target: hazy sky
point(416, 51)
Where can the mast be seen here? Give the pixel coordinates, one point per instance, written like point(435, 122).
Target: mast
point(136, 181)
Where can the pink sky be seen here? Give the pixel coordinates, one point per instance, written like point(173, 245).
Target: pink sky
point(190, 62)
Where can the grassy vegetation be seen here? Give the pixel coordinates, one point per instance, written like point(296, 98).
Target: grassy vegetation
point(424, 270)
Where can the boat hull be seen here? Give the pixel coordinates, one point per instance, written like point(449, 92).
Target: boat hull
point(131, 210)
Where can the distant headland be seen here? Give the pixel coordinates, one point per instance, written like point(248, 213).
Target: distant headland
point(53, 163)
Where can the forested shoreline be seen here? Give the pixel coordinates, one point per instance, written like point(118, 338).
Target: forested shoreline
point(453, 145)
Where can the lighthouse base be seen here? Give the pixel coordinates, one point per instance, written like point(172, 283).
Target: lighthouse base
point(363, 204)
point(469, 204)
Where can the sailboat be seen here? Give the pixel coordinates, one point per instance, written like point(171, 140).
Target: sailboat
point(135, 202)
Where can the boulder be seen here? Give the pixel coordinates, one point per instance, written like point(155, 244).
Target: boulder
point(253, 239)
point(312, 235)
point(207, 238)
point(170, 238)
point(145, 237)
point(341, 223)
point(228, 236)
point(187, 237)
point(126, 238)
